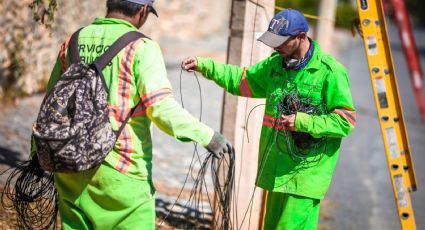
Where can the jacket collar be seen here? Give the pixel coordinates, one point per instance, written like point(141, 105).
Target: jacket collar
point(313, 64)
point(315, 60)
point(100, 21)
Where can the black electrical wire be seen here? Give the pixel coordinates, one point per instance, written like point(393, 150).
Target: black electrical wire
point(195, 152)
point(223, 183)
point(299, 144)
point(224, 190)
point(291, 104)
point(250, 204)
point(30, 191)
point(307, 156)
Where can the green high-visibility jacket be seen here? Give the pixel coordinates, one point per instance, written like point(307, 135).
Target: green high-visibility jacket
point(325, 83)
point(137, 73)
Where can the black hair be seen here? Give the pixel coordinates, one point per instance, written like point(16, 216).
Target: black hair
point(127, 8)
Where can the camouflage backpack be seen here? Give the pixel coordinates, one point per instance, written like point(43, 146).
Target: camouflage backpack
point(72, 132)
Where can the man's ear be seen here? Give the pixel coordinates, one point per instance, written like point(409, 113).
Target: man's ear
point(302, 36)
point(144, 11)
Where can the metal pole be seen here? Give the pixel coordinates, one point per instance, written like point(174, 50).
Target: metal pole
point(402, 20)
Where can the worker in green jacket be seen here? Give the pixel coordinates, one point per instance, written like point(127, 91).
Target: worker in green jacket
point(119, 194)
point(308, 110)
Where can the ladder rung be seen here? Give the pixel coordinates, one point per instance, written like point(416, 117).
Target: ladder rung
point(388, 104)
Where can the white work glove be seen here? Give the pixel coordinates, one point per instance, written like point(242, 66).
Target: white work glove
point(220, 145)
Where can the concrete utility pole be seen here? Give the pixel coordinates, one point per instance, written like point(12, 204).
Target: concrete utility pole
point(326, 25)
point(249, 19)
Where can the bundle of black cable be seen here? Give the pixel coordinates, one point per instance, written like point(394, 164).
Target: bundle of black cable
point(30, 191)
point(291, 104)
point(223, 172)
point(224, 184)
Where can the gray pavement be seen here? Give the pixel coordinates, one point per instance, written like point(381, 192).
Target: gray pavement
point(172, 158)
point(15, 130)
point(361, 192)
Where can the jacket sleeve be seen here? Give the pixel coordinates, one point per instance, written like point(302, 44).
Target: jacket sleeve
point(161, 107)
point(54, 76)
point(60, 66)
point(246, 82)
point(341, 117)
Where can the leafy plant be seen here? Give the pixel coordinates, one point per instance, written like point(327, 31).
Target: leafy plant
point(345, 12)
point(417, 9)
point(40, 11)
point(345, 15)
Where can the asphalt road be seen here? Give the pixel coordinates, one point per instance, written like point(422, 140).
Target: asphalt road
point(361, 193)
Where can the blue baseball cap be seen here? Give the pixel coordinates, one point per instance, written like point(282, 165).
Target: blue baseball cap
point(145, 2)
point(287, 23)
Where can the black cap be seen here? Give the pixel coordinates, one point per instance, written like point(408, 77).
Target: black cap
point(146, 2)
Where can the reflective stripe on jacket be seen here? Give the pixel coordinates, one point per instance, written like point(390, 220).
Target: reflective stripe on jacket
point(137, 73)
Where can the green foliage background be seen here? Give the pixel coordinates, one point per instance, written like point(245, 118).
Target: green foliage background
point(417, 10)
point(346, 12)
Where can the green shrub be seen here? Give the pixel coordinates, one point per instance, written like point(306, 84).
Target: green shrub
point(304, 6)
point(417, 8)
point(345, 13)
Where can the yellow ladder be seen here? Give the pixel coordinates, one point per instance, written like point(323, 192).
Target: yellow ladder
point(384, 82)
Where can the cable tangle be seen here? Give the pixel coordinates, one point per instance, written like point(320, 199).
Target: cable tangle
point(300, 141)
point(201, 200)
point(30, 191)
point(303, 148)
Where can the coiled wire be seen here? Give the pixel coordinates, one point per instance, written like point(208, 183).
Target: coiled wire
point(30, 191)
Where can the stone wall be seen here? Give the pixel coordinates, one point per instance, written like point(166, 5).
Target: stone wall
point(28, 49)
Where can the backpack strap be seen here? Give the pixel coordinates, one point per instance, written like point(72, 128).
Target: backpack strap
point(100, 63)
point(118, 45)
point(106, 57)
point(74, 54)
point(129, 115)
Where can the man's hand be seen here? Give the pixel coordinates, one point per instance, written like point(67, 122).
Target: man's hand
point(288, 122)
point(219, 145)
point(190, 64)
